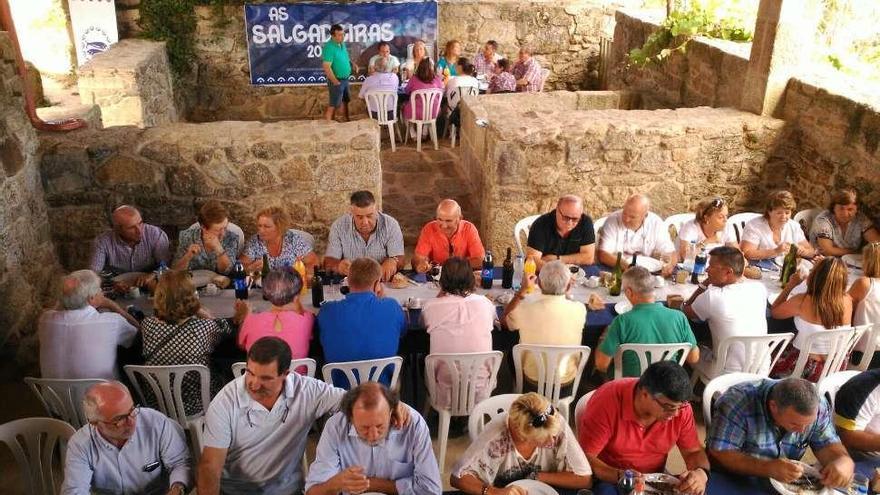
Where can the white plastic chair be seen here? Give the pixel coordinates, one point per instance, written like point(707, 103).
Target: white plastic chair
point(33, 443)
point(382, 103)
point(739, 221)
point(522, 227)
point(492, 408)
point(367, 370)
point(579, 410)
point(166, 384)
point(463, 92)
point(720, 385)
point(805, 218)
point(196, 428)
point(238, 369)
point(597, 227)
point(547, 359)
point(649, 354)
point(62, 399)
point(463, 371)
point(828, 386)
point(760, 354)
point(427, 99)
point(870, 334)
point(545, 73)
point(677, 221)
point(839, 342)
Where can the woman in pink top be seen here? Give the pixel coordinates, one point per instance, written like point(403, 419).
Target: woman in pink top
point(459, 321)
point(287, 319)
point(425, 79)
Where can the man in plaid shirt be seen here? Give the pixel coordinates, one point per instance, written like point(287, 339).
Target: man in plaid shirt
point(485, 61)
point(527, 72)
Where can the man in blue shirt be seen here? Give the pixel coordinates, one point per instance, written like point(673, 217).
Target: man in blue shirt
point(364, 325)
point(359, 450)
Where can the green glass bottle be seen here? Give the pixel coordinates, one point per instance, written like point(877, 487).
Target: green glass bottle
point(789, 265)
point(617, 277)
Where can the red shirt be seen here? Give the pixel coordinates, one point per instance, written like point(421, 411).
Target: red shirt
point(434, 244)
point(608, 428)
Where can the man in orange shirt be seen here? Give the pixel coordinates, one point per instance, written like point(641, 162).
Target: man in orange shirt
point(449, 235)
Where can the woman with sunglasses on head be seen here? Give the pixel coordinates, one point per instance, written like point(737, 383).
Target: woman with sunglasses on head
point(842, 229)
point(865, 294)
point(531, 441)
point(707, 229)
point(773, 233)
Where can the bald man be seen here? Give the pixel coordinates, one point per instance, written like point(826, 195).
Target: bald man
point(564, 234)
point(132, 245)
point(636, 230)
point(447, 236)
point(125, 449)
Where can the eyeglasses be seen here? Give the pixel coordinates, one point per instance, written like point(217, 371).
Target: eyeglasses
point(669, 407)
point(566, 218)
point(120, 420)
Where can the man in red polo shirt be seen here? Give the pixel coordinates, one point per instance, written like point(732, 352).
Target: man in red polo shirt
point(448, 236)
point(633, 423)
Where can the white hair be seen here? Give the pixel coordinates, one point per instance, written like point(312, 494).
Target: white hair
point(554, 278)
point(78, 287)
point(93, 399)
point(639, 280)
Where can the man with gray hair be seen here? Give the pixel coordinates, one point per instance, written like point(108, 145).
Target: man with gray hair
point(76, 339)
point(379, 80)
point(646, 323)
point(761, 428)
point(125, 448)
point(565, 234)
point(527, 72)
point(132, 245)
point(548, 318)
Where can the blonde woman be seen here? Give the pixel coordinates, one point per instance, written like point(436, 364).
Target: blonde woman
point(447, 64)
point(532, 441)
point(707, 229)
point(824, 306)
point(865, 294)
point(771, 234)
point(276, 239)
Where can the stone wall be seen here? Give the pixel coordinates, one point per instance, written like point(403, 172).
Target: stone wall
point(308, 168)
point(529, 154)
point(28, 264)
point(711, 73)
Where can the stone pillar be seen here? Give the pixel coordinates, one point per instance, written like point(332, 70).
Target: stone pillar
point(784, 39)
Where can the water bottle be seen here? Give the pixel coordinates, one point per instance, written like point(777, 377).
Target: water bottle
point(699, 266)
point(488, 271)
point(239, 281)
point(689, 255)
point(627, 484)
point(161, 270)
point(518, 266)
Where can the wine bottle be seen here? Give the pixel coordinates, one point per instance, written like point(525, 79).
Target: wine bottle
point(617, 275)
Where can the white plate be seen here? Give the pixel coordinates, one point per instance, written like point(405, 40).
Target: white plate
point(649, 263)
point(201, 278)
point(622, 307)
point(128, 278)
point(535, 487)
point(787, 489)
point(663, 477)
point(852, 260)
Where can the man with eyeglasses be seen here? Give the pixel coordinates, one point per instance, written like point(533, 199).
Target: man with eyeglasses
point(564, 234)
point(762, 428)
point(132, 246)
point(448, 236)
point(125, 449)
point(636, 230)
point(633, 423)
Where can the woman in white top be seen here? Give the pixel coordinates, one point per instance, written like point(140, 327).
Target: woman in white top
point(825, 305)
point(464, 79)
point(707, 229)
point(773, 233)
point(865, 293)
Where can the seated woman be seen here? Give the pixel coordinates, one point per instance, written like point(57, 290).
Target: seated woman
point(824, 306)
point(211, 244)
point(772, 234)
point(707, 229)
point(459, 321)
point(424, 79)
point(183, 332)
point(865, 294)
point(447, 65)
point(532, 441)
point(275, 239)
point(419, 52)
point(286, 319)
point(503, 82)
point(842, 229)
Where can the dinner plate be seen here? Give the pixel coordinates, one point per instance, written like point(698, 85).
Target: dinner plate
point(622, 307)
point(853, 260)
point(789, 489)
point(649, 263)
point(660, 478)
point(201, 278)
point(535, 487)
point(128, 278)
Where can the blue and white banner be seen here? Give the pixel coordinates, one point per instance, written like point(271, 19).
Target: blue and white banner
point(94, 27)
point(285, 40)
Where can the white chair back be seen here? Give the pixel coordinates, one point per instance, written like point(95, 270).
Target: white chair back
point(579, 410)
point(829, 385)
point(597, 227)
point(521, 228)
point(196, 428)
point(370, 370)
point(492, 408)
point(238, 369)
point(458, 95)
point(62, 399)
point(382, 107)
point(720, 385)
point(805, 218)
point(839, 342)
point(673, 224)
point(549, 359)
point(166, 385)
point(545, 74)
point(648, 354)
point(760, 353)
point(738, 222)
point(426, 99)
point(36, 444)
point(870, 334)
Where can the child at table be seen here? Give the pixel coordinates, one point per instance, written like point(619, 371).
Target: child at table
point(503, 81)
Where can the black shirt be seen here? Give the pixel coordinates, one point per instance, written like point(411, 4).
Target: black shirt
point(544, 237)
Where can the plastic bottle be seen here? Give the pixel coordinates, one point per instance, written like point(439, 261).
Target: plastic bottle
point(518, 268)
point(627, 483)
point(699, 266)
point(690, 255)
point(239, 281)
point(300, 267)
point(487, 274)
point(529, 269)
point(161, 270)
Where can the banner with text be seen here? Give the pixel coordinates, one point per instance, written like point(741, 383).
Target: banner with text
point(285, 40)
point(94, 27)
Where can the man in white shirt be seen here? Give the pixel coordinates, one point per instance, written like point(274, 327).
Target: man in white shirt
point(77, 341)
point(732, 306)
point(635, 229)
point(390, 63)
point(380, 80)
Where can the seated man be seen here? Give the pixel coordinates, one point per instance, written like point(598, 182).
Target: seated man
point(633, 423)
point(548, 318)
point(364, 325)
point(636, 230)
point(125, 449)
point(365, 232)
point(380, 80)
point(758, 427)
point(448, 236)
point(359, 451)
point(213, 243)
point(731, 305)
point(857, 415)
point(564, 234)
point(484, 62)
point(132, 245)
point(77, 341)
point(527, 72)
point(383, 61)
point(646, 323)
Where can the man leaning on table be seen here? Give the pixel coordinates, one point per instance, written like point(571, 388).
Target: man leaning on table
point(760, 428)
point(449, 235)
point(565, 234)
point(636, 229)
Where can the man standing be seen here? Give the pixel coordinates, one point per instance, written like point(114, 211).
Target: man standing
point(635, 230)
point(390, 63)
point(484, 62)
point(125, 449)
point(337, 67)
point(132, 245)
point(527, 72)
point(365, 232)
point(448, 236)
point(359, 451)
point(564, 234)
